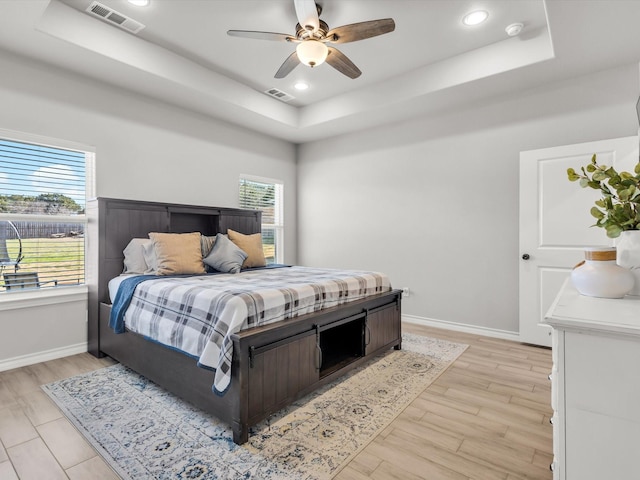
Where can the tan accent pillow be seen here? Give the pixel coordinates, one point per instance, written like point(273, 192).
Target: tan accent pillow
point(251, 245)
point(177, 253)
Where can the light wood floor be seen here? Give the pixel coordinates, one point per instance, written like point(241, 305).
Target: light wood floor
point(486, 417)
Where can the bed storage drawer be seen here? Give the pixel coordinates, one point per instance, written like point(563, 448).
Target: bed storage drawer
point(278, 372)
point(382, 327)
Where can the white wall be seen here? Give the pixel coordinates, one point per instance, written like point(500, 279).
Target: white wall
point(433, 202)
point(144, 150)
point(45, 329)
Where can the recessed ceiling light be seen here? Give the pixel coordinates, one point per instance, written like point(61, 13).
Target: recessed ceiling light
point(475, 18)
point(301, 86)
point(139, 3)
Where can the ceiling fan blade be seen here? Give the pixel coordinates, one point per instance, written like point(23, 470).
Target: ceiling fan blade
point(307, 14)
point(289, 64)
point(278, 37)
point(341, 62)
point(361, 30)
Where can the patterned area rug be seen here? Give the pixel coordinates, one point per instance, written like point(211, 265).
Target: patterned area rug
point(144, 432)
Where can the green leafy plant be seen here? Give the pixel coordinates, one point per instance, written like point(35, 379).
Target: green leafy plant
point(619, 208)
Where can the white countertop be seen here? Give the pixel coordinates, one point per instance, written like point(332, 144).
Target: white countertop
point(572, 310)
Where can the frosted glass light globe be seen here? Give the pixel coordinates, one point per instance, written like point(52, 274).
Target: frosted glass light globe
point(312, 52)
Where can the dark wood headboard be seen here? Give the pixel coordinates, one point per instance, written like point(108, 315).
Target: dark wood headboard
point(112, 223)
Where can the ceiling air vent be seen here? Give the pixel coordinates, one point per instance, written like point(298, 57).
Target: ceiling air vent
point(108, 14)
point(279, 94)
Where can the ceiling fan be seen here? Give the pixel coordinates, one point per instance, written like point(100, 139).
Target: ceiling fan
point(314, 39)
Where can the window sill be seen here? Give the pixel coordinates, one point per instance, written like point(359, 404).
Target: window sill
point(43, 297)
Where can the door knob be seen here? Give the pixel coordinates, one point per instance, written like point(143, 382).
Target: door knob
point(526, 256)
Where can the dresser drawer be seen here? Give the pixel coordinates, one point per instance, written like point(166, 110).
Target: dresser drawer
point(600, 447)
point(554, 388)
point(603, 375)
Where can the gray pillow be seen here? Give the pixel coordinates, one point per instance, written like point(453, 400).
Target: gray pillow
point(225, 256)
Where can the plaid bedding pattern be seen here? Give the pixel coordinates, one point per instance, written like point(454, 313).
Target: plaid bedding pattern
point(198, 314)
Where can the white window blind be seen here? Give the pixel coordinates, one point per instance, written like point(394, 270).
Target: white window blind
point(266, 195)
point(42, 215)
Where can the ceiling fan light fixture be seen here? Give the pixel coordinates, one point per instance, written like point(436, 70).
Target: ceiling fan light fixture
point(475, 18)
point(312, 52)
point(315, 39)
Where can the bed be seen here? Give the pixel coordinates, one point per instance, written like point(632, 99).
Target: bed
point(270, 364)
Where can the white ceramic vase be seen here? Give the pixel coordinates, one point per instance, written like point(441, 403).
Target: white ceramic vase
point(600, 276)
point(628, 246)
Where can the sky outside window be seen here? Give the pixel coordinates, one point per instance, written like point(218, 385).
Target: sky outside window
point(33, 170)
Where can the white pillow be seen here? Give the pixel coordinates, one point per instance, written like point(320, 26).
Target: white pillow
point(134, 261)
point(150, 258)
point(206, 242)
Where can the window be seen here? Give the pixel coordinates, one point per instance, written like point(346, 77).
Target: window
point(43, 189)
point(266, 195)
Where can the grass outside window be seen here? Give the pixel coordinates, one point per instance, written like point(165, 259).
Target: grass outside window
point(60, 259)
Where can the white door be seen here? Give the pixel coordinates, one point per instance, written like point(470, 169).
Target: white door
point(555, 222)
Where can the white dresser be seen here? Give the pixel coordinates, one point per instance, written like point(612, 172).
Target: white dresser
point(595, 391)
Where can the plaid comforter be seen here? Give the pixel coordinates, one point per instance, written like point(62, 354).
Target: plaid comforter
point(198, 314)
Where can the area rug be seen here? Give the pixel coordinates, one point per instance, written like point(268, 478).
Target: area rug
point(144, 432)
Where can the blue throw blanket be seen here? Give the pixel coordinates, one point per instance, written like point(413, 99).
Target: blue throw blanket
point(123, 299)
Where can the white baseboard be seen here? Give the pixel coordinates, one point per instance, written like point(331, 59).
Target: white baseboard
point(462, 327)
point(30, 359)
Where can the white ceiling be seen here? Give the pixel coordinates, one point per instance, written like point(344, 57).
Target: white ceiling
point(431, 63)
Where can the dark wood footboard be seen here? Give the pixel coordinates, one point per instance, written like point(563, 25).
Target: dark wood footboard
point(272, 365)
